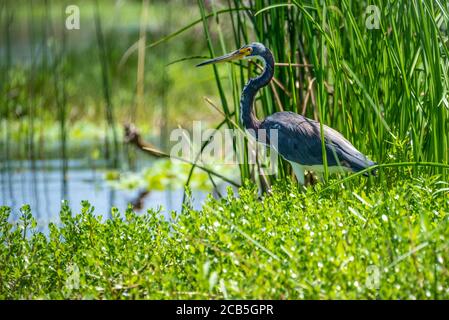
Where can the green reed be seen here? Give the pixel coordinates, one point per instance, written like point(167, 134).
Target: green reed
point(112, 154)
point(383, 86)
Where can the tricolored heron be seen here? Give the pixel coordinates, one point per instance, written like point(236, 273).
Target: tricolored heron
point(299, 139)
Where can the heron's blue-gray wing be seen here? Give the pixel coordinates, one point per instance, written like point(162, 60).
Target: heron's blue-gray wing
point(347, 154)
point(299, 140)
point(296, 138)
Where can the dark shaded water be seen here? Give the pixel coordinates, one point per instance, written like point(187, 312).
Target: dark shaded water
point(42, 185)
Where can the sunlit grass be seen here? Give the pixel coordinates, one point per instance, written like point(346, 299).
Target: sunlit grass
point(384, 88)
point(286, 245)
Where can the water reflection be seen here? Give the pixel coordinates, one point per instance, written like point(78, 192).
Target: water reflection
point(42, 185)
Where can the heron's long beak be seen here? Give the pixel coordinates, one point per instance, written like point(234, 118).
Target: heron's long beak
point(236, 55)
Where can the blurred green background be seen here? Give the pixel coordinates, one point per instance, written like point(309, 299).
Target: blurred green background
point(65, 96)
point(36, 48)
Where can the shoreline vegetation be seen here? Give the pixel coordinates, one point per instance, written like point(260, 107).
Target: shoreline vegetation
point(376, 72)
point(358, 243)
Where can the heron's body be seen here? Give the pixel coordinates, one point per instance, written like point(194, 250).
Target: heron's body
point(299, 138)
point(299, 142)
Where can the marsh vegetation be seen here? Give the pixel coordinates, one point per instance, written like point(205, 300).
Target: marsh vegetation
point(377, 72)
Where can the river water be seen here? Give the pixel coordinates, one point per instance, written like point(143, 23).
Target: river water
point(41, 184)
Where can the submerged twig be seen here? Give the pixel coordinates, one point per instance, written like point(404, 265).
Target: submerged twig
point(135, 139)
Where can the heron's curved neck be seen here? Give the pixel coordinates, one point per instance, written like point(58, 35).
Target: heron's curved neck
point(247, 116)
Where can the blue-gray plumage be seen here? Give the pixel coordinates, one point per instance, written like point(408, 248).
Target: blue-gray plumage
point(299, 139)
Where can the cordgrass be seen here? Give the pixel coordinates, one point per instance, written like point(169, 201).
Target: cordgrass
point(384, 88)
point(290, 244)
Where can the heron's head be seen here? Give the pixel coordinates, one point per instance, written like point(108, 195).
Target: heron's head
point(253, 50)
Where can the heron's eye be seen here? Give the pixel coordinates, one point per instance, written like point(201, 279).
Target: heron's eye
point(246, 51)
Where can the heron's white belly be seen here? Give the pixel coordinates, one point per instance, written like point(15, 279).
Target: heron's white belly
point(320, 169)
point(299, 169)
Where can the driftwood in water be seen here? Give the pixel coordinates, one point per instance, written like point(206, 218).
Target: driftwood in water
point(132, 136)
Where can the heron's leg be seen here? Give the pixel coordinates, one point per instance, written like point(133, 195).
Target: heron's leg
point(320, 176)
point(299, 172)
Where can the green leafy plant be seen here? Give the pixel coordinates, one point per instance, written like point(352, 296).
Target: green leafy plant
point(290, 244)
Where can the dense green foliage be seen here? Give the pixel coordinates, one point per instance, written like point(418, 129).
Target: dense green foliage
point(386, 89)
point(381, 80)
point(290, 244)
